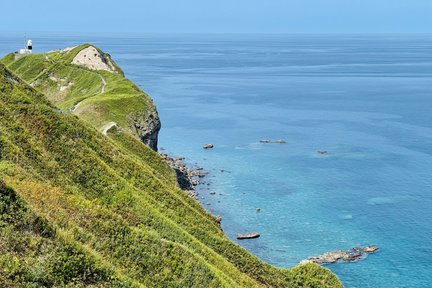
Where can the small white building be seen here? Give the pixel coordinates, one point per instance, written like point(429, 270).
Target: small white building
point(28, 48)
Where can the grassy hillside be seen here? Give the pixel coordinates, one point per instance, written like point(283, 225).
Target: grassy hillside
point(99, 97)
point(80, 209)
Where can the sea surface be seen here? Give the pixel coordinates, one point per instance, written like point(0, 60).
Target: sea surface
point(365, 99)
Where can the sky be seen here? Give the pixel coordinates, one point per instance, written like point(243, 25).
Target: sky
point(217, 16)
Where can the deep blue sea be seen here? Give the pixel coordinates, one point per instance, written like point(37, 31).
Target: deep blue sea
point(366, 99)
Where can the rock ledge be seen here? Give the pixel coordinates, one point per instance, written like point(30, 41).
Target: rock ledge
point(351, 255)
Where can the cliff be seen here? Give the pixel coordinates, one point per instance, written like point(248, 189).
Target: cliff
point(83, 209)
point(86, 82)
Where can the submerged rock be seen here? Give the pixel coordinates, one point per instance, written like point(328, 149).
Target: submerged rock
point(351, 255)
point(371, 249)
point(199, 174)
point(265, 141)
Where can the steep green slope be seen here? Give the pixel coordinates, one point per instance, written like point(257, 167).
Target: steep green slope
point(79, 208)
point(92, 87)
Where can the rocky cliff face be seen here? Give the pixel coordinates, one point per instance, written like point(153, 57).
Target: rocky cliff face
point(147, 126)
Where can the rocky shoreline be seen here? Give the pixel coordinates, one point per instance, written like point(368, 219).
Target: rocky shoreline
point(188, 178)
point(352, 255)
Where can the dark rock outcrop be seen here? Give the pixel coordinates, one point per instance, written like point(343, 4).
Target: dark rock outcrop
point(218, 219)
point(351, 255)
point(250, 235)
point(183, 173)
point(147, 126)
point(187, 178)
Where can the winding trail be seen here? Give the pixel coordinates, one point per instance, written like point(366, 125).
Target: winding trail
point(107, 127)
point(104, 83)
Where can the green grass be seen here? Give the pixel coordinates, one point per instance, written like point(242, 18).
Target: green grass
point(88, 210)
point(52, 72)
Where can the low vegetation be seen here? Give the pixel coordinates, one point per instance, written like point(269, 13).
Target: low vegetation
point(96, 96)
point(80, 209)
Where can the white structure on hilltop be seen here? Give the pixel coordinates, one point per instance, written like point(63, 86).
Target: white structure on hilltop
point(28, 49)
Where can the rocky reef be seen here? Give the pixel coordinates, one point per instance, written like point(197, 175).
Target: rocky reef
point(351, 255)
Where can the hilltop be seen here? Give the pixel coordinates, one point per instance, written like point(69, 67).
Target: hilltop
point(86, 82)
point(79, 208)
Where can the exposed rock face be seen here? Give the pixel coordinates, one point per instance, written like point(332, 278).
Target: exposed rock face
point(91, 58)
point(187, 178)
point(183, 174)
point(352, 255)
point(147, 126)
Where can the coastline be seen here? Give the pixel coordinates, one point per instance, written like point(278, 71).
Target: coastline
point(188, 177)
point(316, 210)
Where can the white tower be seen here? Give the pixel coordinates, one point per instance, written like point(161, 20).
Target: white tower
point(29, 46)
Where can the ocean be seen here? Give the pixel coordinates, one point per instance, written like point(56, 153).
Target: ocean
point(364, 99)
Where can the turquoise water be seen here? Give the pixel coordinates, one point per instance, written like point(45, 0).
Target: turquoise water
point(365, 99)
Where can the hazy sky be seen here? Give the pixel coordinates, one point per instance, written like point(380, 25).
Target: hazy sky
point(220, 16)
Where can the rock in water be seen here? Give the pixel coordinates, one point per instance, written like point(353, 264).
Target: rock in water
point(371, 249)
point(208, 146)
point(352, 255)
point(250, 235)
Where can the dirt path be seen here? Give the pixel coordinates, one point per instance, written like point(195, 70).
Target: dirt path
point(107, 127)
point(104, 83)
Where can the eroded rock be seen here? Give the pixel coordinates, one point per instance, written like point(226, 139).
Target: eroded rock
point(93, 59)
point(147, 126)
point(250, 235)
point(351, 255)
point(208, 146)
